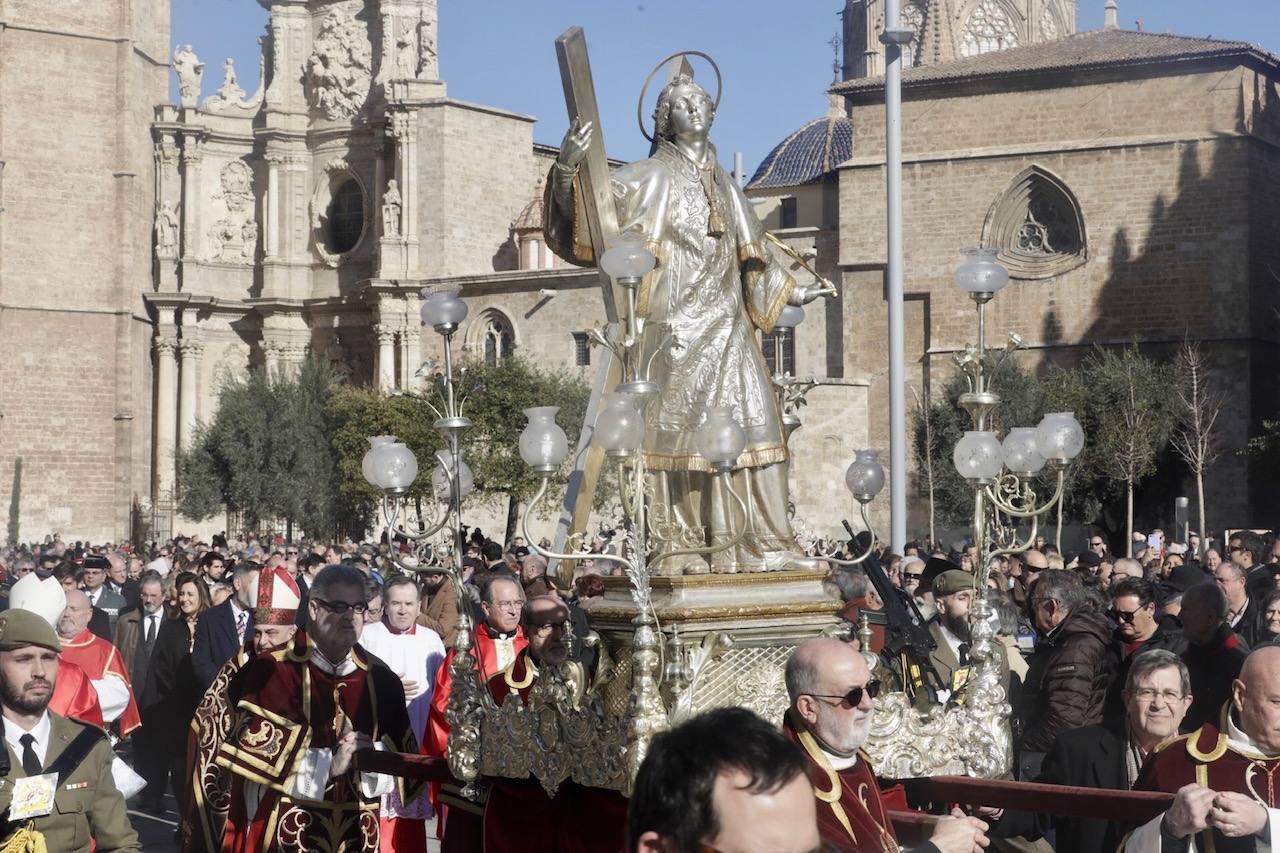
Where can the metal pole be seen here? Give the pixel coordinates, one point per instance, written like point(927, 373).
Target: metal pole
point(893, 273)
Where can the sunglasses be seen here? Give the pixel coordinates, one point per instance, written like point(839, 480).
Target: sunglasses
point(1123, 615)
point(913, 576)
point(341, 607)
point(854, 697)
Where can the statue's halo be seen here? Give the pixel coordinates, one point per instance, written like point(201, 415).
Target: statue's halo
point(645, 88)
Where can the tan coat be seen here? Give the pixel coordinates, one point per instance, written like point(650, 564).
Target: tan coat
point(87, 806)
point(439, 612)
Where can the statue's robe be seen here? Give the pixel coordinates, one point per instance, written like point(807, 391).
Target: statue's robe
point(852, 815)
point(1220, 757)
point(100, 660)
point(518, 814)
point(716, 282)
point(290, 706)
point(204, 815)
point(493, 653)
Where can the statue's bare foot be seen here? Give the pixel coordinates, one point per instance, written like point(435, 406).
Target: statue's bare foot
point(789, 561)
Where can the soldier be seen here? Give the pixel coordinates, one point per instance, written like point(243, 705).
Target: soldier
point(56, 788)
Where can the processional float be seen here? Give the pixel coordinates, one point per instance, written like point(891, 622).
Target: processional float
point(675, 642)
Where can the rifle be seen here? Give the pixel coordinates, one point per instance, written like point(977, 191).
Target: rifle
point(906, 631)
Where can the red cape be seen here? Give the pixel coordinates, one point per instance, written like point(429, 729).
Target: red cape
point(98, 658)
point(74, 696)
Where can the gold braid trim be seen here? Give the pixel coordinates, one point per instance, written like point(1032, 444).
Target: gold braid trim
point(832, 796)
point(754, 257)
point(646, 283)
point(1202, 779)
point(531, 672)
point(755, 458)
point(25, 840)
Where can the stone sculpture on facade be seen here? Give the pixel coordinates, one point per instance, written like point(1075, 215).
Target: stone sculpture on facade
point(234, 238)
point(190, 70)
point(229, 93)
point(338, 72)
point(391, 204)
point(166, 230)
point(428, 62)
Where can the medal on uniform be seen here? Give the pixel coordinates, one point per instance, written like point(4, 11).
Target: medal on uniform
point(33, 796)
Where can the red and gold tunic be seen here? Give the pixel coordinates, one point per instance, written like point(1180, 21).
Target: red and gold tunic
point(286, 703)
point(74, 696)
point(851, 813)
point(99, 659)
point(204, 815)
point(1217, 757)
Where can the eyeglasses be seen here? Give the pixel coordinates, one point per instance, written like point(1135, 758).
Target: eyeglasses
point(543, 630)
point(292, 552)
point(854, 697)
point(912, 576)
point(1148, 694)
point(340, 608)
point(1096, 544)
point(508, 605)
point(1123, 615)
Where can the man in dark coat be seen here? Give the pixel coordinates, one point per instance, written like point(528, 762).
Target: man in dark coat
point(1139, 628)
point(1214, 652)
point(1155, 699)
point(221, 631)
point(1070, 670)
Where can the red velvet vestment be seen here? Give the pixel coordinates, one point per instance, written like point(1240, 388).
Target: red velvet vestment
point(284, 705)
point(518, 814)
point(204, 815)
point(98, 658)
point(74, 696)
point(1207, 758)
point(466, 833)
point(852, 816)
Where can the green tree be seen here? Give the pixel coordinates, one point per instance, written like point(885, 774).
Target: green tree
point(1122, 400)
point(267, 453)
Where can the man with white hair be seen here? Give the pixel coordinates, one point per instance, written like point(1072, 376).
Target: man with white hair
point(100, 660)
point(832, 692)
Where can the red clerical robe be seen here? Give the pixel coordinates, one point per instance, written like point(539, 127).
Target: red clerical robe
point(99, 658)
point(74, 696)
point(520, 817)
point(493, 654)
point(851, 813)
point(1210, 758)
point(204, 815)
point(286, 703)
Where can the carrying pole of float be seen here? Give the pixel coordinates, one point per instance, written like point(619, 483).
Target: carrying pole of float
point(893, 37)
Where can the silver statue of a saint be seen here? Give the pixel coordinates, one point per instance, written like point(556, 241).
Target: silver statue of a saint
point(716, 283)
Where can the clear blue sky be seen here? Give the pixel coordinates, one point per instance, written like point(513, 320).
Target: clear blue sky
point(775, 54)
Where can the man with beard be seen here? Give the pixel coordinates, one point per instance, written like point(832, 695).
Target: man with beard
point(63, 764)
point(953, 593)
point(832, 693)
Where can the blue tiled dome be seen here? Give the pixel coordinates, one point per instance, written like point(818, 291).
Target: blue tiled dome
point(807, 155)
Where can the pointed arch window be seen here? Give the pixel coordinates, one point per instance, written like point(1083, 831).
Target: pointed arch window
point(912, 18)
point(499, 340)
point(988, 28)
point(1049, 29)
point(1038, 226)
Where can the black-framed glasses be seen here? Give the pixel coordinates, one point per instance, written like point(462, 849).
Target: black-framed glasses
point(1123, 615)
point(854, 697)
point(340, 608)
point(913, 576)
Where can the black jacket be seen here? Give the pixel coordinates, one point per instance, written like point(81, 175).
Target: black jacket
point(1067, 679)
point(1168, 636)
point(1213, 667)
point(1091, 757)
point(216, 642)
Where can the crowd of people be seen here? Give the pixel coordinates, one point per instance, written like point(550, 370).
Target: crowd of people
point(242, 676)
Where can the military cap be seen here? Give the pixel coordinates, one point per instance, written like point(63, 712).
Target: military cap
point(952, 581)
point(934, 568)
point(20, 628)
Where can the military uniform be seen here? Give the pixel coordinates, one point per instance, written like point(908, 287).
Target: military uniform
point(88, 811)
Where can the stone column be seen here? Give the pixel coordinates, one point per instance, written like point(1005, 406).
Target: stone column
point(410, 355)
point(191, 156)
point(166, 414)
point(404, 128)
point(271, 206)
point(189, 385)
point(271, 358)
point(386, 374)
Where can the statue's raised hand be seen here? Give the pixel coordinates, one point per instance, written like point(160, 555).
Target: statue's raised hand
point(573, 150)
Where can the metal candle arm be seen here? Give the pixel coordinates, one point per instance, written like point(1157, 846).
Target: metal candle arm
point(866, 523)
point(545, 481)
point(715, 549)
point(1011, 510)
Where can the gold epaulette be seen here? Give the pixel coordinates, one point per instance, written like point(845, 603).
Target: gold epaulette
point(25, 840)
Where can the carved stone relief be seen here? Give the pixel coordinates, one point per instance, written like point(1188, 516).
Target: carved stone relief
point(233, 239)
point(338, 72)
point(166, 229)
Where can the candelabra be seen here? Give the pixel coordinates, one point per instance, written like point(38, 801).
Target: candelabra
point(391, 468)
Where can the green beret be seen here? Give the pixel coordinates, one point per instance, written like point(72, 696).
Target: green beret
point(20, 628)
point(951, 582)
